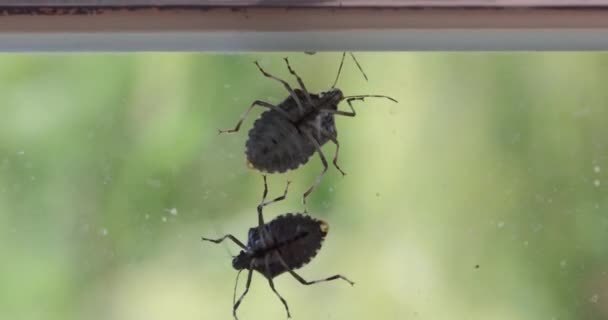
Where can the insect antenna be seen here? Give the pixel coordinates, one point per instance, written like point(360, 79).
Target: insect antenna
point(342, 63)
point(236, 284)
point(361, 97)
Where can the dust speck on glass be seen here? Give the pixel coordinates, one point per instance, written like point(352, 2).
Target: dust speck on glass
point(480, 195)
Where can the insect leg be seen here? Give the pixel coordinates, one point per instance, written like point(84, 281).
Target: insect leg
point(292, 93)
point(271, 283)
point(349, 100)
point(299, 81)
point(228, 236)
point(352, 113)
point(339, 69)
point(306, 282)
point(361, 97)
point(342, 63)
point(333, 139)
point(236, 284)
point(279, 198)
point(255, 103)
point(325, 166)
point(261, 230)
point(265, 203)
point(265, 193)
point(358, 65)
point(238, 302)
point(261, 215)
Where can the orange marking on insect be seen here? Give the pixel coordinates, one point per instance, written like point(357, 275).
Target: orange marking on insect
point(324, 227)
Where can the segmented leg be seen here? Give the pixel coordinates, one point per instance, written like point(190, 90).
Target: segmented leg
point(244, 115)
point(265, 203)
point(325, 166)
point(271, 283)
point(306, 282)
point(228, 236)
point(292, 93)
point(333, 139)
point(342, 63)
point(358, 65)
point(339, 69)
point(335, 161)
point(236, 284)
point(361, 97)
point(308, 99)
point(349, 100)
point(351, 113)
point(279, 198)
point(261, 230)
point(238, 302)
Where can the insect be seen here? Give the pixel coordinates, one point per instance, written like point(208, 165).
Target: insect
point(288, 134)
point(284, 244)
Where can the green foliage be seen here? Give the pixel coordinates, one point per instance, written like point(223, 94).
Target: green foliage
point(481, 195)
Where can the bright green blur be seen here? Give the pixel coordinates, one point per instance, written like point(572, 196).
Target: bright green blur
point(481, 195)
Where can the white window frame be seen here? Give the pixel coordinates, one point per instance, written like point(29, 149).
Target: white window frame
point(300, 25)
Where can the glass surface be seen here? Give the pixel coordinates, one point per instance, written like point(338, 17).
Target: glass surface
point(480, 195)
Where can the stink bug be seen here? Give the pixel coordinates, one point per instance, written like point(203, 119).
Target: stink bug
point(288, 134)
point(284, 244)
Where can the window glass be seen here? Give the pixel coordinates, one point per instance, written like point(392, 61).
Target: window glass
point(481, 194)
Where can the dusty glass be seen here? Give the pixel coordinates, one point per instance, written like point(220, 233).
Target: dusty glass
point(480, 195)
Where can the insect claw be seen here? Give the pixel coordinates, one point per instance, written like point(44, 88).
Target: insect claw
point(266, 74)
point(335, 162)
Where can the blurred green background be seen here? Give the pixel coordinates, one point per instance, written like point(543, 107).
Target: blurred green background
point(480, 195)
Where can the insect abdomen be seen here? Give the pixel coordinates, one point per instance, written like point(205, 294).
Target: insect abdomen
point(301, 236)
point(276, 145)
point(295, 237)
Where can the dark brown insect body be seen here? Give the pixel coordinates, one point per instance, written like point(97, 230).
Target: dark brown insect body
point(284, 244)
point(296, 238)
point(288, 134)
point(277, 143)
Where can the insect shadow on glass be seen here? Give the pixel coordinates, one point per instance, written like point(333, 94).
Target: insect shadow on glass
point(288, 134)
point(284, 244)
